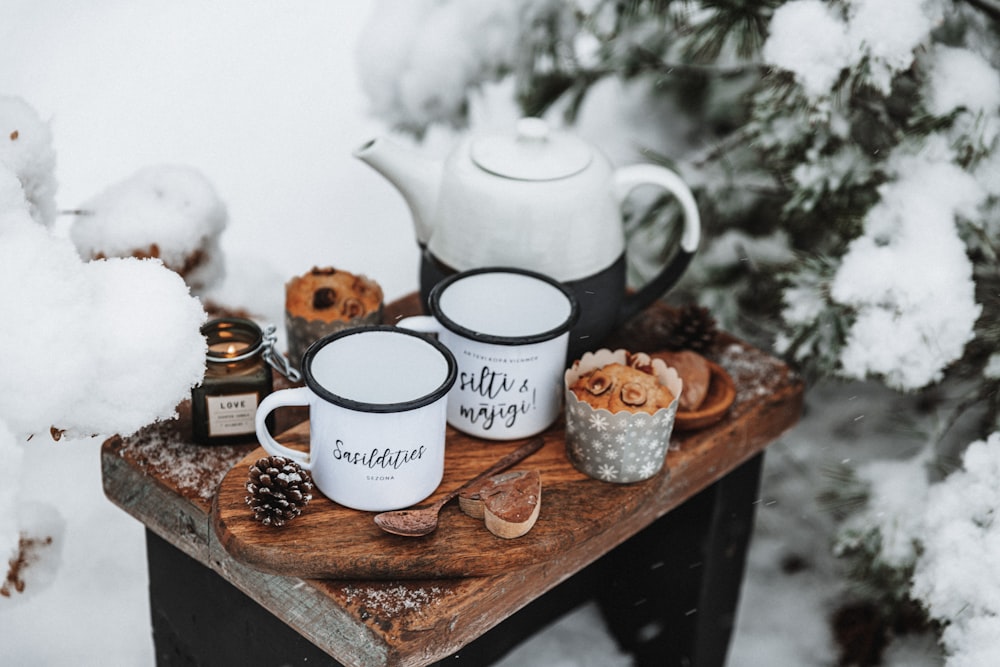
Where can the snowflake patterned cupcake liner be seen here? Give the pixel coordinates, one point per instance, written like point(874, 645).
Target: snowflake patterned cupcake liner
point(620, 447)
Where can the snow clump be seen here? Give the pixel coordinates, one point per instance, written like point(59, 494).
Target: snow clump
point(956, 577)
point(812, 41)
point(960, 80)
point(419, 58)
point(808, 39)
point(26, 152)
point(10, 531)
point(170, 212)
point(887, 32)
point(101, 347)
point(93, 347)
point(908, 276)
point(897, 492)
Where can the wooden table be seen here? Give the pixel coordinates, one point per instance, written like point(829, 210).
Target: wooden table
point(666, 577)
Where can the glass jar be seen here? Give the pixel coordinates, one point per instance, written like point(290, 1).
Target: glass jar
point(237, 377)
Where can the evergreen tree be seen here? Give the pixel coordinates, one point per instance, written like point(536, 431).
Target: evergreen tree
point(846, 159)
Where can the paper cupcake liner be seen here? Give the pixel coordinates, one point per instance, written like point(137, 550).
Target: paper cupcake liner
point(302, 333)
point(621, 447)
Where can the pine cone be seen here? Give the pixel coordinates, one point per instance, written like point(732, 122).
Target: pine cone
point(644, 332)
point(693, 329)
point(279, 489)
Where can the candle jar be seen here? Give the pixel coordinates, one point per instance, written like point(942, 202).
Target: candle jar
point(237, 378)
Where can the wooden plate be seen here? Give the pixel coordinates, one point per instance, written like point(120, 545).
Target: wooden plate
point(332, 541)
point(718, 400)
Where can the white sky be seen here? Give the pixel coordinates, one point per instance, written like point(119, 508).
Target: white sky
point(262, 97)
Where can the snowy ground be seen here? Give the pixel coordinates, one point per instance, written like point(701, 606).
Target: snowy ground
point(261, 97)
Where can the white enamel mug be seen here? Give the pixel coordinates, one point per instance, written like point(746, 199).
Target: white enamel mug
point(376, 398)
point(509, 331)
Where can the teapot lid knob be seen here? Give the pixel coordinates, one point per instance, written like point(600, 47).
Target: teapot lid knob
point(535, 153)
point(532, 129)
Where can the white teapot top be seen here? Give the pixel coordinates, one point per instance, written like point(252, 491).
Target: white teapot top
point(534, 153)
point(537, 198)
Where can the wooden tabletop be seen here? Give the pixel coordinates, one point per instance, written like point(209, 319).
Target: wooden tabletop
point(167, 482)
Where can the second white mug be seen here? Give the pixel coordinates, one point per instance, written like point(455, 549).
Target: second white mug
point(509, 331)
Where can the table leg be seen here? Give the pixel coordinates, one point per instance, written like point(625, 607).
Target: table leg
point(201, 619)
point(669, 594)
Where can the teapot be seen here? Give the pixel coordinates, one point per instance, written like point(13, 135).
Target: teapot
point(538, 199)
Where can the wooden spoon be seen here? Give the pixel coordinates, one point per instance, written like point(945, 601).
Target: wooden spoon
point(424, 520)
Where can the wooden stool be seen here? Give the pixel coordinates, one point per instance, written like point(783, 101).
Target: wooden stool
point(666, 575)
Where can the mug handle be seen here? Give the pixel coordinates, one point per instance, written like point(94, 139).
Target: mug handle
point(296, 396)
point(420, 324)
point(627, 179)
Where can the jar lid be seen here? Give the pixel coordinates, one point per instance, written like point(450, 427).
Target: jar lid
point(534, 153)
point(232, 339)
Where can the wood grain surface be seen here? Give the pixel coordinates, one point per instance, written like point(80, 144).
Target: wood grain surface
point(331, 541)
point(169, 484)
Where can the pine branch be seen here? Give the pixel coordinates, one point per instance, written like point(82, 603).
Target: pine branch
point(989, 7)
point(742, 24)
point(988, 244)
point(968, 401)
point(737, 138)
point(658, 64)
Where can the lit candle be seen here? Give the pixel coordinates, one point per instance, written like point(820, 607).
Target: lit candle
point(237, 378)
point(228, 349)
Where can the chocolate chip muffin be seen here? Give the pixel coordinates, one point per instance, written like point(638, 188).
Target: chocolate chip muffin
point(325, 300)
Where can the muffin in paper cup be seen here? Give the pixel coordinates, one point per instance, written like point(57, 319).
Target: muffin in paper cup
point(623, 446)
point(326, 300)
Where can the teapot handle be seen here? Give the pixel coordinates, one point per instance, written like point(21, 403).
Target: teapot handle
point(627, 179)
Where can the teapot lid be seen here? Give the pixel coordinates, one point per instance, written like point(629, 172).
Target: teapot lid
point(535, 153)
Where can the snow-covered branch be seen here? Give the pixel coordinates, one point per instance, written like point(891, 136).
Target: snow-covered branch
point(97, 347)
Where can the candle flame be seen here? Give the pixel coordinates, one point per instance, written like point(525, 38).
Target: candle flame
point(231, 350)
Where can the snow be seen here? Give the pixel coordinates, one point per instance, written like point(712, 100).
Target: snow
point(10, 526)
point(130, 322)
point(26, 151)
point(810, 39)
point(960, 78)
point(824, 173)
point(898, 496)
point(39, 558)
point(908, 275)
point(992, 368)
point(170, 208)
point(887, 32)
point(806, 38)
point(409, 67)
point(956, 575)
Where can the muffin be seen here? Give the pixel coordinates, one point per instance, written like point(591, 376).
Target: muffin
point(325, 300)
point(618, 387)
point(620, 410)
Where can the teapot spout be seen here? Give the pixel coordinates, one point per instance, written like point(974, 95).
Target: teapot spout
point(417, 178)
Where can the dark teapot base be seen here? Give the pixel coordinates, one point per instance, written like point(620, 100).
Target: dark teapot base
point(601, 298)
